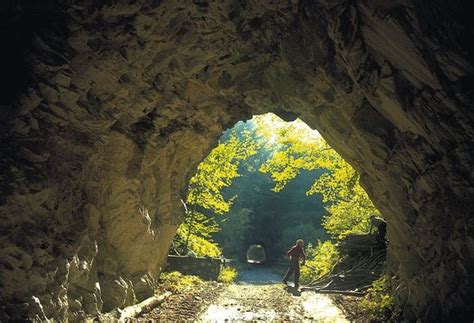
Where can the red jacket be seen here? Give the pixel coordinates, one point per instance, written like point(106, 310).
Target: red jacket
point(296, 252)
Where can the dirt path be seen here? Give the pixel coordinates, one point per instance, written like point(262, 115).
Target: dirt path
point(271, 302)
point(258, 295)
point(185, 305)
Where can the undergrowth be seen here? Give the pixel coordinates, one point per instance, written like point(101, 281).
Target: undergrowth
point(320, 261)
point(177, 282)
point(227, 275)
point(377, 305)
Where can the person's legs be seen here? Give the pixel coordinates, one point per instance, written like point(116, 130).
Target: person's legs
point(288, 273)
point(297, 274)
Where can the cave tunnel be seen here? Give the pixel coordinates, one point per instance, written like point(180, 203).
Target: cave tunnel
point(256, 254)
point(116, 102)
point(260, 211)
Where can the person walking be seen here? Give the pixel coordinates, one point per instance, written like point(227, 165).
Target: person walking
point(294, 255)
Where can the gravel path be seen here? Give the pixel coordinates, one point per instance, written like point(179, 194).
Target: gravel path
point(185, 306)
point(260, 275)
point(271, 302)
point(257, 296)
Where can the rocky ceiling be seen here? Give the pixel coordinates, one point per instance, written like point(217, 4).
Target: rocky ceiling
point(107, 106)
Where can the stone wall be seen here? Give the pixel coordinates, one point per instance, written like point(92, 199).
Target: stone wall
point(124, 98)
point(207, 268)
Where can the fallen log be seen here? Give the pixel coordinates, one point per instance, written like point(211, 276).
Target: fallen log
point(140, 308)
point(339, 292)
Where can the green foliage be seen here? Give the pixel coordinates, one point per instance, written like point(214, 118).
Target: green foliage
point(320, 261)
point(218, 171)
point(201, 246)
point(235, 227)
point(297, 148)
point(260, 215)
point(348, 205)
point(227, 275)
point(284, 154)
point(205, 199)
point(177, 282)
point(378, 304)
point(305, 231)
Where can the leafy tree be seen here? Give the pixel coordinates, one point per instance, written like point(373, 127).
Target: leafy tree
point(348, 205)
point(270, 213)
point(205, 199)
point(305, 231)
point(299, 148)
point(200, 245)
point(272, 166)
point(234, 230)
point(218, 171)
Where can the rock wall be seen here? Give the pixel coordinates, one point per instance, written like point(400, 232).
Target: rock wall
point(124, 98)
point(206, 268)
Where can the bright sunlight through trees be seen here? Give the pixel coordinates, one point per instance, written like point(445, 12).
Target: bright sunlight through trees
point(290, 148)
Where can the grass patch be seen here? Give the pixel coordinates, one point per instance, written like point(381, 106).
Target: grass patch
point(177, 282)
point(228, 275)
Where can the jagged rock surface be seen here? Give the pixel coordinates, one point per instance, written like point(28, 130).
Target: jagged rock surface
point(125, 98)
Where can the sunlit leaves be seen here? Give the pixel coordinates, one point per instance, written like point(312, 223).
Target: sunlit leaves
point(351, 215)
point(321, 260)
point(290, 148)
point(216, 172)
point(298, 148)
point(282, 167)
point(378, 301)
point(200, 245)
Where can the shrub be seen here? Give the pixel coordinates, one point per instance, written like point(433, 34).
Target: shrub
point(378, 303)
point(178, 282)
point(227, 275)
point(320, 260)
point(202, 247)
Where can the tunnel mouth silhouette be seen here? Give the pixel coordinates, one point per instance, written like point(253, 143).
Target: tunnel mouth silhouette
point(99, 147)
point(256, 254)
point(255, 227)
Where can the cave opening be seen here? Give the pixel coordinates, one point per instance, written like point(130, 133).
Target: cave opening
point(268, 183)
point(124, 99)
